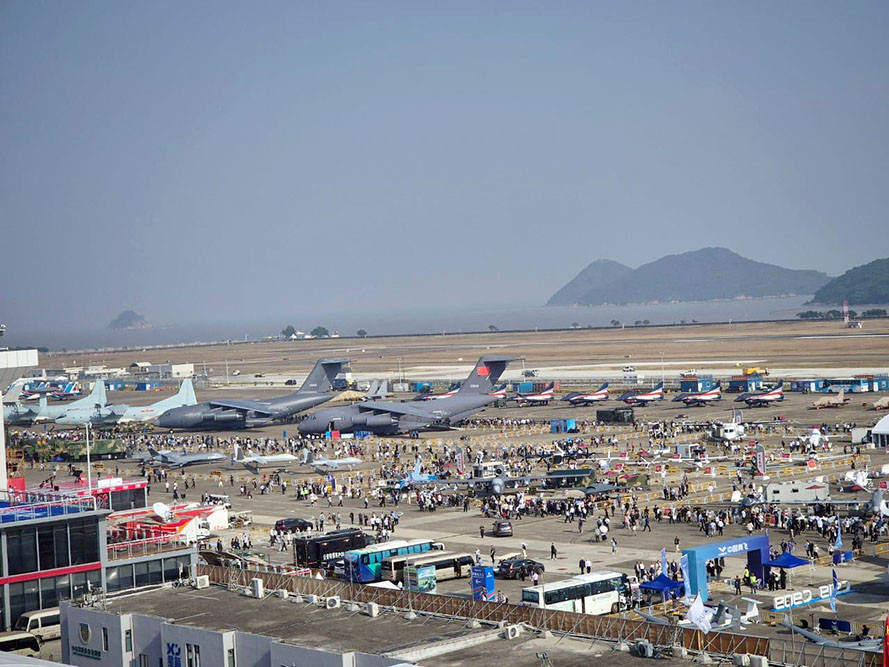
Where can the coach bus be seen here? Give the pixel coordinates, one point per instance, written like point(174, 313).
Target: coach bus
point(448, 565)
point(596, 593)
point(365, 565)
point(315, 551)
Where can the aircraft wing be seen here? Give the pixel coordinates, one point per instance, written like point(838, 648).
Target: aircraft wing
point(242, 406)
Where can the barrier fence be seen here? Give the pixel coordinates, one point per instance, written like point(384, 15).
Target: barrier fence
point(610, 628)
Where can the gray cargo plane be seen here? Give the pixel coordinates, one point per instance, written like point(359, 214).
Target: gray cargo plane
point(231, 413)
point(387, 418)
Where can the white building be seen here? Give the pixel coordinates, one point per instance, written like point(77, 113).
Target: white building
point(880, 433)
point(797, 490)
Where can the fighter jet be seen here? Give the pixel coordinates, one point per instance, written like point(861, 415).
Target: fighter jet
point(175, 460)
point(762, 398)
point(42, 412)
point(414, 478)
point(588, 397)
point(831, 401)
point(232, 413)
point(377, 389)
point(387, 418)
point(868, 645)
point(452, 391)
point(700, 398)
point(882, 403)
point(537, 398)
point(123, 413)
point(644, 397)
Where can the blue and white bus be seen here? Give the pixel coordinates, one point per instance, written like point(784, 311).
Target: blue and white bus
point(365, 565)
point(596, 593)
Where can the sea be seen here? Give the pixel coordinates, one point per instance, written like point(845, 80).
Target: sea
point(449, 320)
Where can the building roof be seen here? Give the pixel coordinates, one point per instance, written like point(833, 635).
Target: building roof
point(882, 426)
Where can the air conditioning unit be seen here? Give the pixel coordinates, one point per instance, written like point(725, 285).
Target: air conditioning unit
point(282, 593)
point(257, 588)
point(203, 581)
point(332, 602)
point(644, 649)
point(741, 660)
point(312, 599)
point(513, 631)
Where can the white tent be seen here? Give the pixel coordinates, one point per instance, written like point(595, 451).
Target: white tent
point(880, 433)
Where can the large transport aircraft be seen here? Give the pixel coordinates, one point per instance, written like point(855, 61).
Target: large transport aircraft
point(387, 418)
point(31, 414)
point(700, 398)
point(762, 398)
point(233, 413)
point(644, 397)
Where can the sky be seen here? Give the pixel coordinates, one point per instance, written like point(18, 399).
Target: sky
point(209, 161)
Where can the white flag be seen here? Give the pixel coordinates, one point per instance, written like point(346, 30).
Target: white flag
point(698, 615)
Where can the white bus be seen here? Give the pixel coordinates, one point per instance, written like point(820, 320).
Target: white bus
point(447, 564)
point(596, 593)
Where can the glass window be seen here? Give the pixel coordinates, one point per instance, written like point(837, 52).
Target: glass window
point(94, 577)
point(128, 641)
point(63, 587)
point(111, 579)
point(45, 547)
point(60, 538)
point(155, 572)
point(23, 597)
point(84, 541)
point(171, 571)
point(104, 639)
point(78, 584)
point(21, 548)
point(141, 574)
point(48, 596)
point(126, 576)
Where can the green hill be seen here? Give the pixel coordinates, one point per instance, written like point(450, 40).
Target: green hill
point(597, 274)
point(867, 284)
point(701, 275)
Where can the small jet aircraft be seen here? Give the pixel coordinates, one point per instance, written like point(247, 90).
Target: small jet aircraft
point(70, 390)
point(762, 398)
point(499, 393)
point(175, 460)
point(643, 398)
point(538, 398)
point(700, 398)
point(327, 464)
point(882, 403)
point(588, 398)
point(831, 401)
point(414, 478)
point(378, 389)
point(256, 461)
point(869, 645)
point(434, 397)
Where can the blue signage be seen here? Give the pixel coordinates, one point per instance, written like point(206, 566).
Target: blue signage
point(755, 547)
point(482, 582)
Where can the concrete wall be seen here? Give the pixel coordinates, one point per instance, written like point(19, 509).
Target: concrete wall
point(82, 637)
point(147, 638)
point(213, 645)
point(252, 650)
point(298, 656)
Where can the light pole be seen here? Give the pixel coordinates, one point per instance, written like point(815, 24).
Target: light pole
point(89, 472)
point(662, 368)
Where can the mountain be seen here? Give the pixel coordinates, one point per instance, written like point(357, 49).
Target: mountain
point(868, 284)
point(129, 319)
point(703, 275)
point(598, 274)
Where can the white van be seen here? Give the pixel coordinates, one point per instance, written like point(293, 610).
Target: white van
point(23, 643)
point(45, 624)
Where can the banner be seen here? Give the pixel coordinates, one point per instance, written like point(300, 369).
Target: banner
point(760, 460)
point(683, 566)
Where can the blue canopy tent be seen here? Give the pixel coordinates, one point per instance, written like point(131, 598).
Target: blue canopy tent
point(662, 584)
point(786, 561)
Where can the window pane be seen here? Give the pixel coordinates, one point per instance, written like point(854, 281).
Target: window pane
point(155, 572)
point(60, 537)
point(21, 545)
point(111, 579)
point(63, 587)
point(141, 574)
point(48, 596)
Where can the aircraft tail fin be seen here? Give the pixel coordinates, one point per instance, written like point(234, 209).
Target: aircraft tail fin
point(658, 386)
point(485, 375)
point(602, 388)
point(320, 380)
point(417, 469)
point(15, 392)
point(97, 395)
point(186, 392)
point(236, 453)
point(154, 452)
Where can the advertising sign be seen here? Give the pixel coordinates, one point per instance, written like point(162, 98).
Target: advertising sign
point(482, 582)
point(420, 579)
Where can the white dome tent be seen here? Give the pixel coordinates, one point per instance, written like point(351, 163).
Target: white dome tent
point(880, 433)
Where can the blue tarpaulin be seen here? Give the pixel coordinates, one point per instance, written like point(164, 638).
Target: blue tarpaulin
point(786, 560)
point(661, 583)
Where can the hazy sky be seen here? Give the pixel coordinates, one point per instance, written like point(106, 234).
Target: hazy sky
point(214, 161)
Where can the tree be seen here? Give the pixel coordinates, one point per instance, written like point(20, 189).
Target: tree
point(638, 323)
point(645, 322)
point(810, 315)
point(834, 314)
point(288, 331)
point(492, 328)
point(615, 323)
point(575, 325)
point(320, 332)
point(874, 312)
point(362, 333)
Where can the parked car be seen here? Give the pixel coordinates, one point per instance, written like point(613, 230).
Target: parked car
point(291, 382)
point(629, 369)
point(513, 568)
point(502, 528)
point(293, 524)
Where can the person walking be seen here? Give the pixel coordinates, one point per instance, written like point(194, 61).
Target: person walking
point(553, 553)
point(613, 545)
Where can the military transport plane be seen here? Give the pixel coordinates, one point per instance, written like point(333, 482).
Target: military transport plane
point(230, 413)
point(387, 418)
point(700, 398)
point(588, 398)
point(644, 397)
point(762, 398)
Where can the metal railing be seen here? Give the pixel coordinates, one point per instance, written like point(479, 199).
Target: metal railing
point(28, 505)
point(146, 547)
